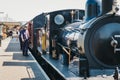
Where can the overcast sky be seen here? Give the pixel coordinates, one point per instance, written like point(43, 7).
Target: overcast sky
point(25, 10)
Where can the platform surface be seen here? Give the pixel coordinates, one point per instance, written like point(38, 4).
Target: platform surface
point(15, 66)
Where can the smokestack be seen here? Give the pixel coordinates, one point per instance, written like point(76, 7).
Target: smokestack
point(92, 9)
point(107, 6)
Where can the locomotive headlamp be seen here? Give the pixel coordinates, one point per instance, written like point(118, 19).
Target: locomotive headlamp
point(115, 6)
point(59, 19)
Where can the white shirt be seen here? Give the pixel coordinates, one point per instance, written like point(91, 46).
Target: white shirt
point(26, 33)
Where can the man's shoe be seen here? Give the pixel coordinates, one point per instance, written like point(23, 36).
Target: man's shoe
point(23, 54)
point(26, 55)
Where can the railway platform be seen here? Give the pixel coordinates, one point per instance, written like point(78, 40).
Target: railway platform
point(15, 66)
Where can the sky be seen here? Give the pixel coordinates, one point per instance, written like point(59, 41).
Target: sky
point(25, 10)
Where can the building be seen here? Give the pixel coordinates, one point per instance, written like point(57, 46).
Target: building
point(5, 27)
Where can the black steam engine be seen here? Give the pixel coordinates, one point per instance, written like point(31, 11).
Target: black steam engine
point(99, 36)
point(94, 39)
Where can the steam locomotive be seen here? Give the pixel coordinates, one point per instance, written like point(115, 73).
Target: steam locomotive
point(89, 38)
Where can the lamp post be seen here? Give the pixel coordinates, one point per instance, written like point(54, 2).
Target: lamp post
point(1, 26)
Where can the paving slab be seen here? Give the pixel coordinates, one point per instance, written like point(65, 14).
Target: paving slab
point(15, 66)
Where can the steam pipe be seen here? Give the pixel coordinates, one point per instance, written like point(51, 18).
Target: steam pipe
point(96, 8)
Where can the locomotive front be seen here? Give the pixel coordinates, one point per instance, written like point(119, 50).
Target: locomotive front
point(99, 39)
